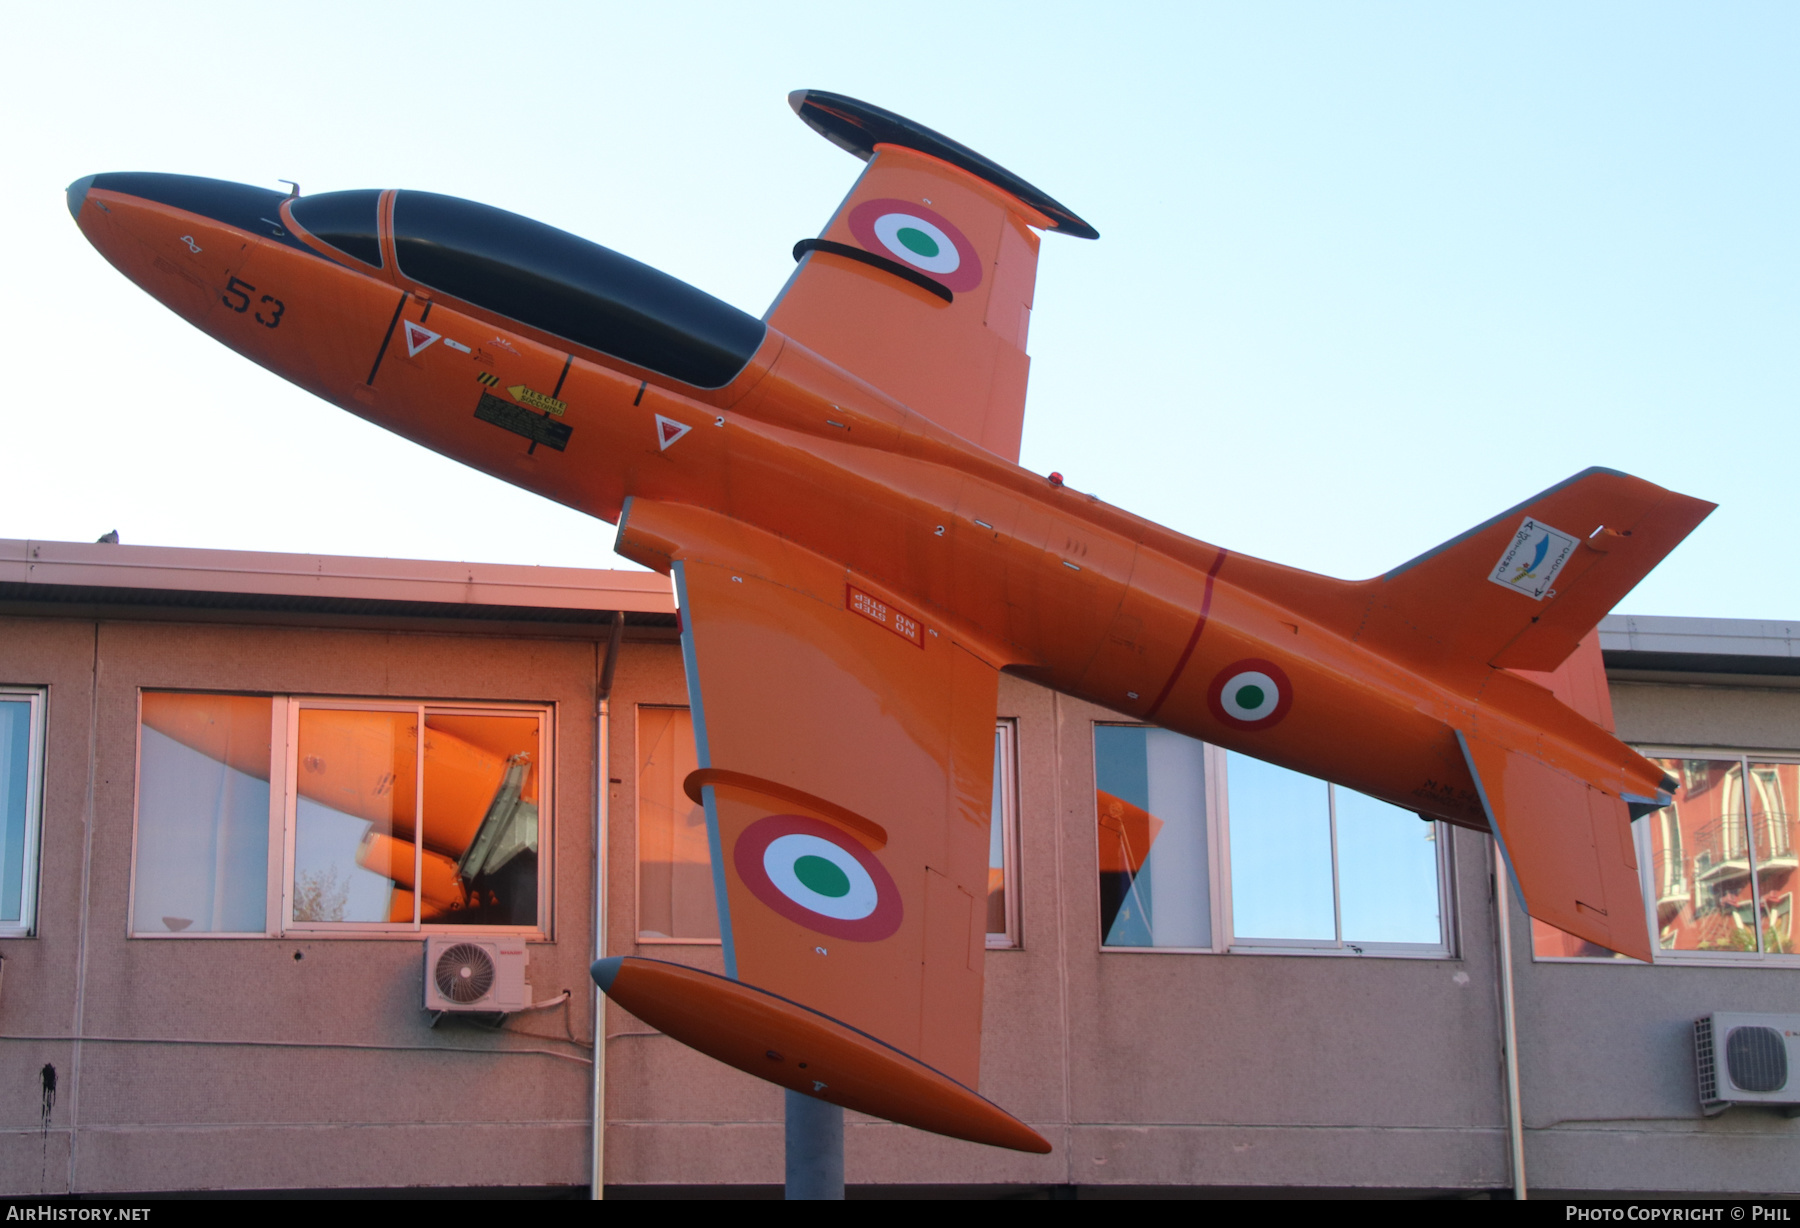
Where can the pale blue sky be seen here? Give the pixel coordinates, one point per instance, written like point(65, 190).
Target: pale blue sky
point(1369, 273)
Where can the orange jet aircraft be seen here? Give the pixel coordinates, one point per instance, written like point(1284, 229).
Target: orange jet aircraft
point(857, 555)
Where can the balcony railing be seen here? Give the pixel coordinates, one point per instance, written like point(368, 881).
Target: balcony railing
point(1720, 853)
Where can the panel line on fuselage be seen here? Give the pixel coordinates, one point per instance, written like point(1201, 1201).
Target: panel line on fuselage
point(1193, 640)
point(387, 337)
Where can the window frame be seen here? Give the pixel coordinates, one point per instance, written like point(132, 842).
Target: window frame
point(1006, 734)
point(283, 813)
point(30, 852)
point(1648, 884)
point(1218, 837)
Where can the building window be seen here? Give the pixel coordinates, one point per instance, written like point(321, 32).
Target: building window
point(21, 800)
point(260, 815)
point(1202, 849)
point(1003, 841)
point(676, 901)
point(1155, 865)
point(1717, 865)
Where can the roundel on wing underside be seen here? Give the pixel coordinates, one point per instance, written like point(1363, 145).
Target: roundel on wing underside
point(920, 238)
point(818, 876)
point(1250, 694)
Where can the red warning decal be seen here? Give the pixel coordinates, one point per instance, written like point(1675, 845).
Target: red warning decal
point(668, 431)
point(417, 338)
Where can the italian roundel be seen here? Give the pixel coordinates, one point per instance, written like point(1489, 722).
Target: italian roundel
point(917, 236)
point(1250, 694)
point(818, 876)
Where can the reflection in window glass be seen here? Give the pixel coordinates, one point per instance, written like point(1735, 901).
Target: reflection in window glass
point(1771, 798)
point(202, 858)
point(1280, 852)
point(1718, 862)
point(1002, 906)
point(356, 816)
point(1387, 871)
point(675, 882)
point(18, 811)
point(1315, 864)
point(1700, 861)
point(365, 851)
point(480, 854)
point(1151, 823)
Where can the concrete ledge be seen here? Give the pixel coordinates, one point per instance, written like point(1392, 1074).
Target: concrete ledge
point(224, 1157)
point(1170, 1157)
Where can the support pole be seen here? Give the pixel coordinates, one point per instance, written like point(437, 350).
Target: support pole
point(815, 1149)
point(602, 825)
point(1515, 1126)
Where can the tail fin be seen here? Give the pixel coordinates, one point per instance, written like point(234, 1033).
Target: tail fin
point(1521, 590)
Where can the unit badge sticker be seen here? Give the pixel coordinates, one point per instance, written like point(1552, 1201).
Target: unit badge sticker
point(1532, 559)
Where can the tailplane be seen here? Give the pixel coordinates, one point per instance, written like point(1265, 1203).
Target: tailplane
point(1567, 845)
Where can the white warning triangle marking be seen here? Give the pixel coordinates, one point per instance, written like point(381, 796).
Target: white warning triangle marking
point(668, 431)
point(417, 338)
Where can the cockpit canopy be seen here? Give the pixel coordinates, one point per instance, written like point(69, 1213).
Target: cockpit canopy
point(554, 281)
point(349, 221)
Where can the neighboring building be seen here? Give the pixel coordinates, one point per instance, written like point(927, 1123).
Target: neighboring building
point(239, 792)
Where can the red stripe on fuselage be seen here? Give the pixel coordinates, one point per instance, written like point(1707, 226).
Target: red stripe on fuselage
point(1194, 639)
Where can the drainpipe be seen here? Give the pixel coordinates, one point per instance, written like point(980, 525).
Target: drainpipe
point(602, 814)
point(1515, 1128)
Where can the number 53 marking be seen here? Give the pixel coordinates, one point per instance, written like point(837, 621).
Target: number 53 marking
point(237, 297)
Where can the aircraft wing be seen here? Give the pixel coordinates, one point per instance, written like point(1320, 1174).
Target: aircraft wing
point(846, 748)
point(921, 283)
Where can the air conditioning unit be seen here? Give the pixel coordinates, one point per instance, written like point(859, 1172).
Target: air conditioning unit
point(475, 973)
point(1748, 1059)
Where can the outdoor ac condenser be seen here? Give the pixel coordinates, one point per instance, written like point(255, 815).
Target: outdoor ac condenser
point(475, 973)
point(1748, 1059)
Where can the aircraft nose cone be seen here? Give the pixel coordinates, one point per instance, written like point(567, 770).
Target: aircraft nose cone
point(604, 970)
point(78, 193)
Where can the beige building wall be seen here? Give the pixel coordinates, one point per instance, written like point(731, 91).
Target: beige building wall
point(309, 1063)
point(282, 1062)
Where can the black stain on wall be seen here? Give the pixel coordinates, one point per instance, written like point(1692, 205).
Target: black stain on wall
point(47, 1077)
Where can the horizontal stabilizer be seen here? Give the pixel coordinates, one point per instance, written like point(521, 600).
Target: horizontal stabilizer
point(1520, 591)
point(802, 1050)
point(1567, 845)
